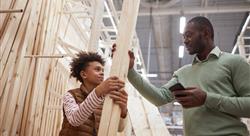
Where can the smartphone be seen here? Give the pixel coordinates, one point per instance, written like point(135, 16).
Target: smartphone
point(177, 86)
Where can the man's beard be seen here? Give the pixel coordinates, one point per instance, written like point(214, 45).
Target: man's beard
point(199, 45)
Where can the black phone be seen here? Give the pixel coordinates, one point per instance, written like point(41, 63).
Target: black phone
point(177, 86)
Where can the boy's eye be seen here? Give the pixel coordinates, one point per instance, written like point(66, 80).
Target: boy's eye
point(98, 69)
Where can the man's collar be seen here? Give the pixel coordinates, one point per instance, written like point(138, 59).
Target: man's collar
point(215, 52)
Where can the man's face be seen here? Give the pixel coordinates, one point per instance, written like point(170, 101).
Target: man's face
point(193, 39)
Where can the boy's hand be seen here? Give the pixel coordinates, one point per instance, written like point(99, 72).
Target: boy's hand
point(121, 98)
point(111, 84)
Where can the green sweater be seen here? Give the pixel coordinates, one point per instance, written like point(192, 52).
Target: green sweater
point(226, 80)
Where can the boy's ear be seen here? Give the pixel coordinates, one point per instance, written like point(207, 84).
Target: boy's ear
point(83, 74)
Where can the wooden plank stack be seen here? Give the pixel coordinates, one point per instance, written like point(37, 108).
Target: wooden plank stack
point(33, 77)
point(31, 88)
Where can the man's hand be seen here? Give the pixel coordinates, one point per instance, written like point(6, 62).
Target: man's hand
point(113, 50)
point(131, 59)
point(121, 98)
point(130, 54)
point(111, 84)
point(190, 97)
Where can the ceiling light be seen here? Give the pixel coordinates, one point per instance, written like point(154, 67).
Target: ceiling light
point(181, 51)
point(182, 24)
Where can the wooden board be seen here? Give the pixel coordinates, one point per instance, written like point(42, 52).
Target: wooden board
point(109, 122)
point(96, 25)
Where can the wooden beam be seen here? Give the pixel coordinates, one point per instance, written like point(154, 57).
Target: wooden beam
point(39, 45)
point(109, 29)
point(85, 16)
point(137, 113)
point(25, 83)
point(28, 39)
point(96, 26)
point(5, 17)
point(8, 59)
point(10, 10)
point(45, 118)
point(49, 47)
point(109, 122)
point(67, 45)
point(77, 25)
point(46, 56)
point(9, 34)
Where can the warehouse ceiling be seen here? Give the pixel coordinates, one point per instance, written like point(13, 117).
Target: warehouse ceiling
point(158, 30)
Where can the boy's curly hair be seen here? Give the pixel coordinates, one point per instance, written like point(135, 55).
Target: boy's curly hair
point(81, 61)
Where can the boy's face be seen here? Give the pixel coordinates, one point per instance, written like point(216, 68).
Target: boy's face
point(93, 74)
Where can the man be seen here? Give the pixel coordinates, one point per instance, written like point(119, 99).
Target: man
point(217, 86)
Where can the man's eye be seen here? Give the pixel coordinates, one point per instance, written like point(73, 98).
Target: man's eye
point(187, 36)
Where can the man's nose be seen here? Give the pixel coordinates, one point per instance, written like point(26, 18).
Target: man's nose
point(186, 41)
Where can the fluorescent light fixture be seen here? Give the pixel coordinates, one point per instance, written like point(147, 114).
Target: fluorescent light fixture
point(181, 51)
point(182, 24)
point(151, 75)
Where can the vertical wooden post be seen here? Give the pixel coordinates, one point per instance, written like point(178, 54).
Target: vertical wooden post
point(111, 112)
point(19, 65)
point(96, 25)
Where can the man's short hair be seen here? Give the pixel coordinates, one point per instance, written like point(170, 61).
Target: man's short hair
point(202, 23)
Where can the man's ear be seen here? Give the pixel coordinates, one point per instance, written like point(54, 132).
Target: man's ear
point(83, 74)
point(206, 33)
